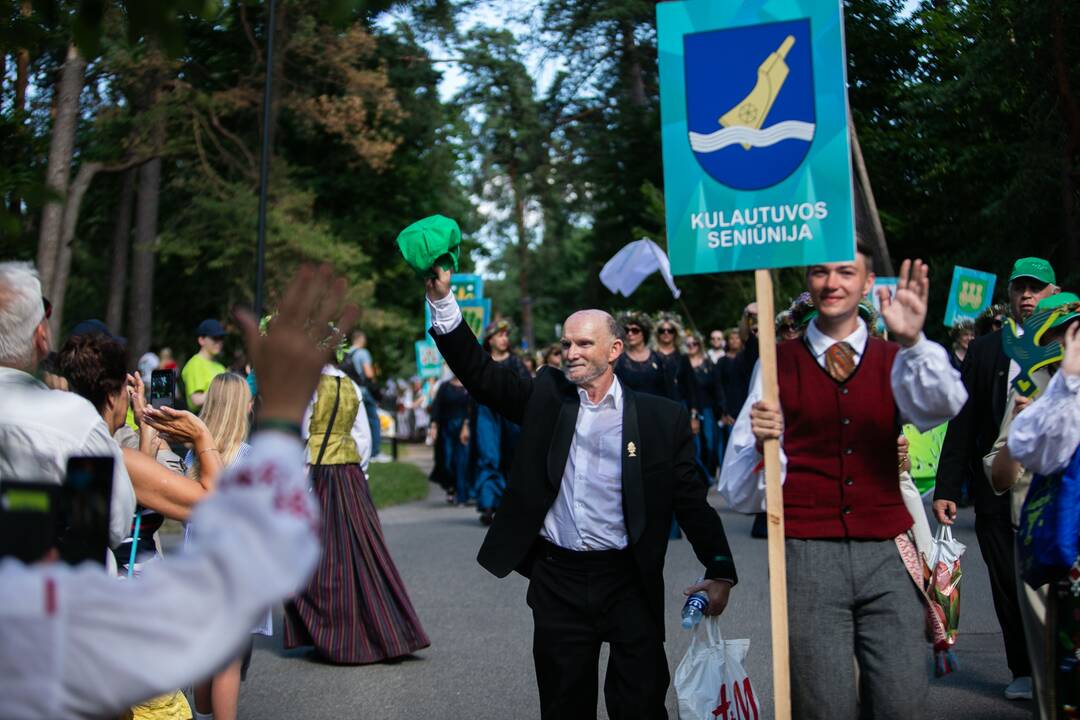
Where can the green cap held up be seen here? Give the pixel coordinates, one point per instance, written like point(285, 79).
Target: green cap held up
point(435, 239)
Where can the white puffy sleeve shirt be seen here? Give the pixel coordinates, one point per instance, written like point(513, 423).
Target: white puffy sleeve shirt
point(75, 643)
point(1045, 435)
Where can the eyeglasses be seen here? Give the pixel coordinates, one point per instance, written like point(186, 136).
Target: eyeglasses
point(691, 343)
point(633, 330)
point(787, 328)
point(48, 307)
point(665, 331)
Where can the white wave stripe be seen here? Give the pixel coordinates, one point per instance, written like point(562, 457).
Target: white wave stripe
point(735, 135)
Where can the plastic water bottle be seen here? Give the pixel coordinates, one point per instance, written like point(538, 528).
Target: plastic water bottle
point(694, 609)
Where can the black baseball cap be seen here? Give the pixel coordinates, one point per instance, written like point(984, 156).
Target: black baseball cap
point(94, 327)
point(210, 328)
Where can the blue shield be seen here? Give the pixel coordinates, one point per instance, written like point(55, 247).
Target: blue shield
point(750, 101)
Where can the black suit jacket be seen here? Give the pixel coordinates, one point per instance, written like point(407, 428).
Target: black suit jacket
point(658, 472)
point(985, 373)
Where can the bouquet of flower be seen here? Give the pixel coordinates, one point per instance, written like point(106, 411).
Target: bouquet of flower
point(943, 592)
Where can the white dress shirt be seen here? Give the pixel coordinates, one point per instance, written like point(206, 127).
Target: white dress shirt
point(41, 428)
point(75, 643)
point(588, 512)
point(1044, 437)
point(445, 314)
point(927, 390)
point(361, 428)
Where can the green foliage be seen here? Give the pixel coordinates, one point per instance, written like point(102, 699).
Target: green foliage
point(962, 110)
point(394, 483)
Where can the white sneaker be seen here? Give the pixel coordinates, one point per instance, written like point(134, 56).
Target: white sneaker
point(1019, 689)
point(382, 458)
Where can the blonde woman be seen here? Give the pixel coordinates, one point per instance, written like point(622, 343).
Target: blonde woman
point(225, 412)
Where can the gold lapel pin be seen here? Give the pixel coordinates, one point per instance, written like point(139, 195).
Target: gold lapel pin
point(631, 449)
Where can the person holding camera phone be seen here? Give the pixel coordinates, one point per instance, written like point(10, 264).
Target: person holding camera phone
point(63, 629)
point(41, 428)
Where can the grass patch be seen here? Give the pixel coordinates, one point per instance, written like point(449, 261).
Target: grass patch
point(393, 483)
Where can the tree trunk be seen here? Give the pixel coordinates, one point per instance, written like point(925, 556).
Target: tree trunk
point(58, 172)
point(140, 316)
point(62, 268)
point(631, 60)
point(121, 243)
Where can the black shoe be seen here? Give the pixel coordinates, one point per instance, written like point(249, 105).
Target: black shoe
point(760, 529)
point(487, 517)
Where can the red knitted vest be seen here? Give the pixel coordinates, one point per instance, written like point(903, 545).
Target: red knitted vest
point(840, 441)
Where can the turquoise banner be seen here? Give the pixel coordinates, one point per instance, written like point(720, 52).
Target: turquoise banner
point(757, 165)
point(428, 360)
point(467, 287)
point(971, 293)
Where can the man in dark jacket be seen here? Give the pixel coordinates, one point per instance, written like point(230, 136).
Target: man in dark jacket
point(986, 375)
point(598, 472)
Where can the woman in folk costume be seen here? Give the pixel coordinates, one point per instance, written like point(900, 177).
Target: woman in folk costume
point(355, 609)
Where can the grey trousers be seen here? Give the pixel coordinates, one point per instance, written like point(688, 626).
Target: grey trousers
point(853, 599)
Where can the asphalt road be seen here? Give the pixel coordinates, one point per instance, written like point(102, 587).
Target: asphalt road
point(479, 664)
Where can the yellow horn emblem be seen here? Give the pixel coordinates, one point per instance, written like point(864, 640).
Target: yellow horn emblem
point(754, 108)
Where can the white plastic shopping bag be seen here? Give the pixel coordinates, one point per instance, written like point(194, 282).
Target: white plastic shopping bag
point(710, 681)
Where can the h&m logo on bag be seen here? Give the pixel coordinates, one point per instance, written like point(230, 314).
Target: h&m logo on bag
point(741, 706)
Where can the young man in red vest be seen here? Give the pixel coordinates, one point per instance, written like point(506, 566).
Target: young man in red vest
point(843, 398)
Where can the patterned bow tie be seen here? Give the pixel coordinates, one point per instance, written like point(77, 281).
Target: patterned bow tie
point(840, 361)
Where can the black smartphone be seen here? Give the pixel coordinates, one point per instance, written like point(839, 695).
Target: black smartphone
point(28, 519)
point(83, 528)
point(162, 388)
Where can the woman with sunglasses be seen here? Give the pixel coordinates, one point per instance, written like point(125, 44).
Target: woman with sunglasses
point(640, 367)
point(668, 333)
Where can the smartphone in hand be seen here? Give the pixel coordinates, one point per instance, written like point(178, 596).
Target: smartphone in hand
point(28, 519)
point(83, 528)
point(71, 518)
point(162, 388)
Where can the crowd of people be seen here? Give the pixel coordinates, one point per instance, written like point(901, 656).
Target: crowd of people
point(584, 458)
point(170, 457)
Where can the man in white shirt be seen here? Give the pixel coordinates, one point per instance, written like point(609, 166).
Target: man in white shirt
point(599, 471)
point(41, 428)
point(842, 398)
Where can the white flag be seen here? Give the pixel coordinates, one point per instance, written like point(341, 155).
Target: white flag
point(635, 262)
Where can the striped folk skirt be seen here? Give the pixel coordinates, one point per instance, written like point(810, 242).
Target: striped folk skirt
point(355, 609)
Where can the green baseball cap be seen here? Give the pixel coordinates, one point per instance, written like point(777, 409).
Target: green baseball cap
point(435, 239)
point(1060, 300)
point(1033, 267)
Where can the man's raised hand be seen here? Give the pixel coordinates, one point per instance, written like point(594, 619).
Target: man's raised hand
point(438, 286)
point(905, 314)
point(299, 340)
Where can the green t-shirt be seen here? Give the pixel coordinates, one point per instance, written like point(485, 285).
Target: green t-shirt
point(197, 374)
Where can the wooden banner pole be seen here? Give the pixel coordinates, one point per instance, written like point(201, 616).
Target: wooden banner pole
point(774, 503)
